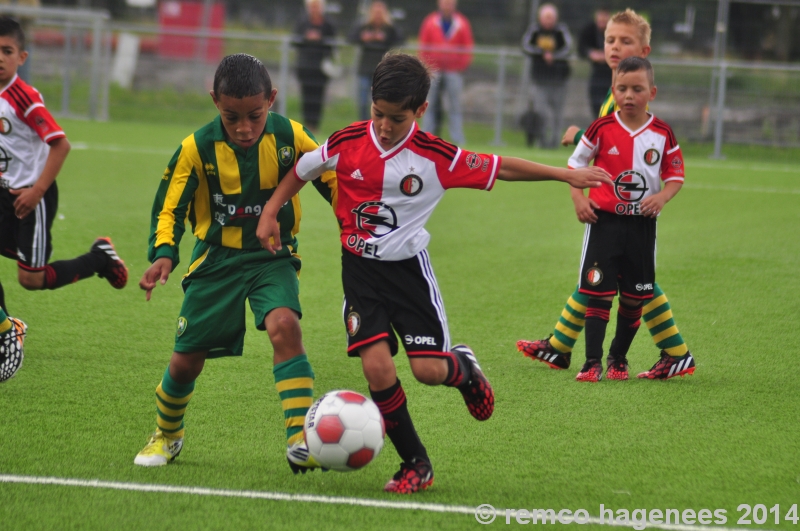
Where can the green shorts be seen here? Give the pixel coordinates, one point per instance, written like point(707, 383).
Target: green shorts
point(219, 280)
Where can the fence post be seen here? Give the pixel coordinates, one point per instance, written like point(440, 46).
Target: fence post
point(723, 71)
point(65, 88)
point(106, 76)
point(96, 71)
point(283, 83)
point(500, 99)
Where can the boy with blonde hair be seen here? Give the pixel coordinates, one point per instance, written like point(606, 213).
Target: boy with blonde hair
point(627, 35)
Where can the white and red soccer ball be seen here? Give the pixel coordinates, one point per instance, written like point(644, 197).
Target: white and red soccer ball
point(344, 430)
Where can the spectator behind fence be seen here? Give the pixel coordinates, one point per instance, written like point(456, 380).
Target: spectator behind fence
point(442, 35)
point(313, 37)
point(375, 37)
point(549, 43)
point(590, 46)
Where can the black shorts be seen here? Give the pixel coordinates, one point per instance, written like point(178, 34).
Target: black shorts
point(619, 252)
point(382, 298)
point(28, 240)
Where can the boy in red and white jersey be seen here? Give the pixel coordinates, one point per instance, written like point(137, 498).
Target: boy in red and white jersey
point(619, 249)
point(32, 150)
point(390, 176)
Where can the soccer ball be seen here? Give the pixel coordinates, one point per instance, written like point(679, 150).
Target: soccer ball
point(344, 430)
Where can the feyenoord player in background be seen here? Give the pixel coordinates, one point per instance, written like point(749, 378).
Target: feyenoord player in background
point(627, 35)
point(390, 177)
point(619, 249)
point(32, 150)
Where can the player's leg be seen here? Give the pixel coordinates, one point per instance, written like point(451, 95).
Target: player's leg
point(629, 313)
point(35, 246)
point(12, 330)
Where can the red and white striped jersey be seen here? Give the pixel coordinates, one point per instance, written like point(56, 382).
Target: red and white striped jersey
point(638, 161)
point(386, 197)
point(26, 129)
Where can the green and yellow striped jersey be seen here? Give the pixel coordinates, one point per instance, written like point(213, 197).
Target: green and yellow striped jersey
point(221, 188)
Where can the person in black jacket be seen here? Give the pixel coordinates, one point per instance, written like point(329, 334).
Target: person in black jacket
point(590, 46)
point(375, 37)
point(313, 37)
point(549, 43)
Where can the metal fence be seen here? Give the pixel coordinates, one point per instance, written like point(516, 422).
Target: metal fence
point(74, 52)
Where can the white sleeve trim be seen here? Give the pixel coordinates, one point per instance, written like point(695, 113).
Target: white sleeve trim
point(673, 150)
point(677, 178)
point(55, 134)
point(494, 173)
point(455, 159)
point(32, 107)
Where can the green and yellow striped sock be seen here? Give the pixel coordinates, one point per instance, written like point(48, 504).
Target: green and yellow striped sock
point(571, 323)
point(171, 401)
point(294, 381)
point(5, 324)
point(657, 315)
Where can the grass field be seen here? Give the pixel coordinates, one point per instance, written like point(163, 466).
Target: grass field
point(83, 405)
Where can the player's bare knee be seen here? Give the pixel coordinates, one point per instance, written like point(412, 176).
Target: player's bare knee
point(31, 281)
point(429, 371)
point(283, 327)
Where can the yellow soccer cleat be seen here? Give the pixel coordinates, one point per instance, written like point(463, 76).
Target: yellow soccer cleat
point(159, 451)
point(300, 460)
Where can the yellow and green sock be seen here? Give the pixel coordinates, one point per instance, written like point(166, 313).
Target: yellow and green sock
point(5, 323)
point(294, 381)
point(171, 401)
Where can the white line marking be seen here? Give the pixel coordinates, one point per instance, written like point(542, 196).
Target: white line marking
point(313, 498)
point(121, 149)
point(734, 188)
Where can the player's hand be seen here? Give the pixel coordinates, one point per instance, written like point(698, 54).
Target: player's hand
point(268, 233)
point(584, 208)
point(26, 201)
point(569, 135)
point(589, 177)
point(158, 271)
point(652, 206)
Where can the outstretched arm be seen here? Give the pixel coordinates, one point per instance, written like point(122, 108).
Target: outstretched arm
point(268, 231)
point(516, 169)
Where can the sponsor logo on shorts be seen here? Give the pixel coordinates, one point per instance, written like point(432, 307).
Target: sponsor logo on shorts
point(353, 322)
point(643, 287)
point(594, 276)
point(5, 126)
point(419, 340)
point(652, 156)
point(473, 161)
point(630, 186)
point(182, 325)
point(286, 155)
point(410, 185)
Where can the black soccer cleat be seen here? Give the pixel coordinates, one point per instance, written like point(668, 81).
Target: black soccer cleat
point(542, 350)
point(412, 477)
point(617, 368)
point(478, 393)
point(670, 366)
point(592, 371)
point(114, 269)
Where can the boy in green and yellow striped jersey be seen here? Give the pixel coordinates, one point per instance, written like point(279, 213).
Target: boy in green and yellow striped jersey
point(220, 178)
point(627, 35)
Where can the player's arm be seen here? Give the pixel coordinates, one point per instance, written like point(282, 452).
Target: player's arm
point(28, 198)
point(572, 136)
point(652, 206)
point(516, 169)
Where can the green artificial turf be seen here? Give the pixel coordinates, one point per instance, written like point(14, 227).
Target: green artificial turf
point(506, 261)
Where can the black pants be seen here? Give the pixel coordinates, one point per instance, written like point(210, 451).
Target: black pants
point(312, 88)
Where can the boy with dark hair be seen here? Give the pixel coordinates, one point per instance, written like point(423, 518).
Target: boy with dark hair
point(627, 35)
point(33, 148)
point(390, 176)
point(619, 249)
point(221, 176)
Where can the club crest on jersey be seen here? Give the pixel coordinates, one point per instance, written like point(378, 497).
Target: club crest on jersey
point(652, 156)
point(182, 325)
point(473, 161)
point(4, 160)
point(630, 186)
point(375, 217)
point(353, 322)
point(286, 155)
point(410, 185)
point(594, 276)
point(5, 126)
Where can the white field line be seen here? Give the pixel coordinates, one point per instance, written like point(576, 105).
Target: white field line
point(735, 188)
point(314, 498)
point(83, 146)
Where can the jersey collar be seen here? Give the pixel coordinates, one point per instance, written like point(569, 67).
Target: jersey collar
point(642, 128)
point(387, 154)
point(13, 80)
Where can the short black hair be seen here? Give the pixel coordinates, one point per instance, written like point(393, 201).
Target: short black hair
point(241, 75)
point(635, 64)
point(9, 27)
point(401, 79)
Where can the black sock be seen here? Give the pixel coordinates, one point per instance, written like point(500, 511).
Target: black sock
point(66, 272)
point(399, 428)
point(3, 299)
point(628, 321)
point(459, 370)
point(597, 314)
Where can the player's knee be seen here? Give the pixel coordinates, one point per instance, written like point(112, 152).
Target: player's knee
point(429, 371)
point(283, 327)
point(31, 281)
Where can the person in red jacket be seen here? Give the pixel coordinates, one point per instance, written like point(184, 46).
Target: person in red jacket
point(445, 39)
